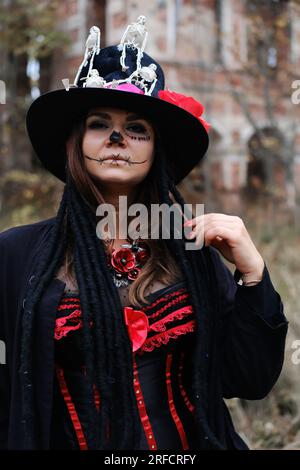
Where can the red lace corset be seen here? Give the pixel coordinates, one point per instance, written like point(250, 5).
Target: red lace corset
point(168, 316)
point(161, 379)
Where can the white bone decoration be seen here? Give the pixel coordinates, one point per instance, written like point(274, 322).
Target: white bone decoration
point(135, 38)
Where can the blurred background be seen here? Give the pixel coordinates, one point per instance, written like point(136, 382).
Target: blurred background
point(241, 60)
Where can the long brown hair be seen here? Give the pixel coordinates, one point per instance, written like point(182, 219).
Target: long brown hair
point(160, 266)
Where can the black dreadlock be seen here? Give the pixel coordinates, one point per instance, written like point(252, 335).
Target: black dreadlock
point(112, 371)
point(107, 351)
point(198, 270)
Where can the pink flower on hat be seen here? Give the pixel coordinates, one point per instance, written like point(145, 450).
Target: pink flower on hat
point(185, 102)
point(128, 87)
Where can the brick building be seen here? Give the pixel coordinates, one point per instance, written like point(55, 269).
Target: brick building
point(203, 46)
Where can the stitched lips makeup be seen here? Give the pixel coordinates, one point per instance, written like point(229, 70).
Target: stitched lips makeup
point(115, 160)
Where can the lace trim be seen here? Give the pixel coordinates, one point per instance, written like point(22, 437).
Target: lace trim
point(65, 306)
point(70, 298)
point(160, 325)
point(73, 321)
point(165, 298)
point(164, 338)
point(180, 298)
point(61, 329)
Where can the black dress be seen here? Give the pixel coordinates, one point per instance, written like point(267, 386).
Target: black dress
point(247, 363)
point(160, 374)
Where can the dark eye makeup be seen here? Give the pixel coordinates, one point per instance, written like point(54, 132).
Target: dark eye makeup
point(96, 125)
point(135, 128)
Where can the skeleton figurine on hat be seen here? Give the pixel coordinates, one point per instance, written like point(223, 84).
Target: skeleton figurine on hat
point(101, 80)
point(92, 47)
point(135, 37)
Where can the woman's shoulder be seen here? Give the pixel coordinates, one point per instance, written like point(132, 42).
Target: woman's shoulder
point(20, 245)
point(22, 233)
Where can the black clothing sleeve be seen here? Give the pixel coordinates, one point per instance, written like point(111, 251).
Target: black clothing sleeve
point(4, 372)
point(17, 250)
point(253, 333)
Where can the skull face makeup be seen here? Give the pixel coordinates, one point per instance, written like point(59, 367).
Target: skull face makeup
point(118, 147)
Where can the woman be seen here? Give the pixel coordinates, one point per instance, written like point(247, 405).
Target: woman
point(135, 347)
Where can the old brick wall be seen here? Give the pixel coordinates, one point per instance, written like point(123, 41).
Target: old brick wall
point(199, 44)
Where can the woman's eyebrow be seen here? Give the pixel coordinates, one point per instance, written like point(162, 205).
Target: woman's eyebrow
point(131, 117)
point(99, 114)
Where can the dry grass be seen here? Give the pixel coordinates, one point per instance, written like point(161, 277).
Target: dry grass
point(274, 423)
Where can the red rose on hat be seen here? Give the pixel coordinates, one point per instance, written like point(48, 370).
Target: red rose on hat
point(185, 102)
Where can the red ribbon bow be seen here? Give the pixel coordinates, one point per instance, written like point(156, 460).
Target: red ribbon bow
point(137, 325)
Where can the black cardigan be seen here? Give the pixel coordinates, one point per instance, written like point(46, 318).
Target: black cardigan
point(252, 338)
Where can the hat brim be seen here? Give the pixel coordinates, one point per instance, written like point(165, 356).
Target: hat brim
point(51, 117)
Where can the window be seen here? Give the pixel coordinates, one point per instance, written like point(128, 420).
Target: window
point(269, 33)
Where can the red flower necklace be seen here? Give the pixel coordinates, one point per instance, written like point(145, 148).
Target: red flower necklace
point(126, 262)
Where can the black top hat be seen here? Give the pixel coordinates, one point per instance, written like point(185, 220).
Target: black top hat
point(125, 77)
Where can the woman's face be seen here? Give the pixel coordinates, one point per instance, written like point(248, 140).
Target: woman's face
point(134, 142)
